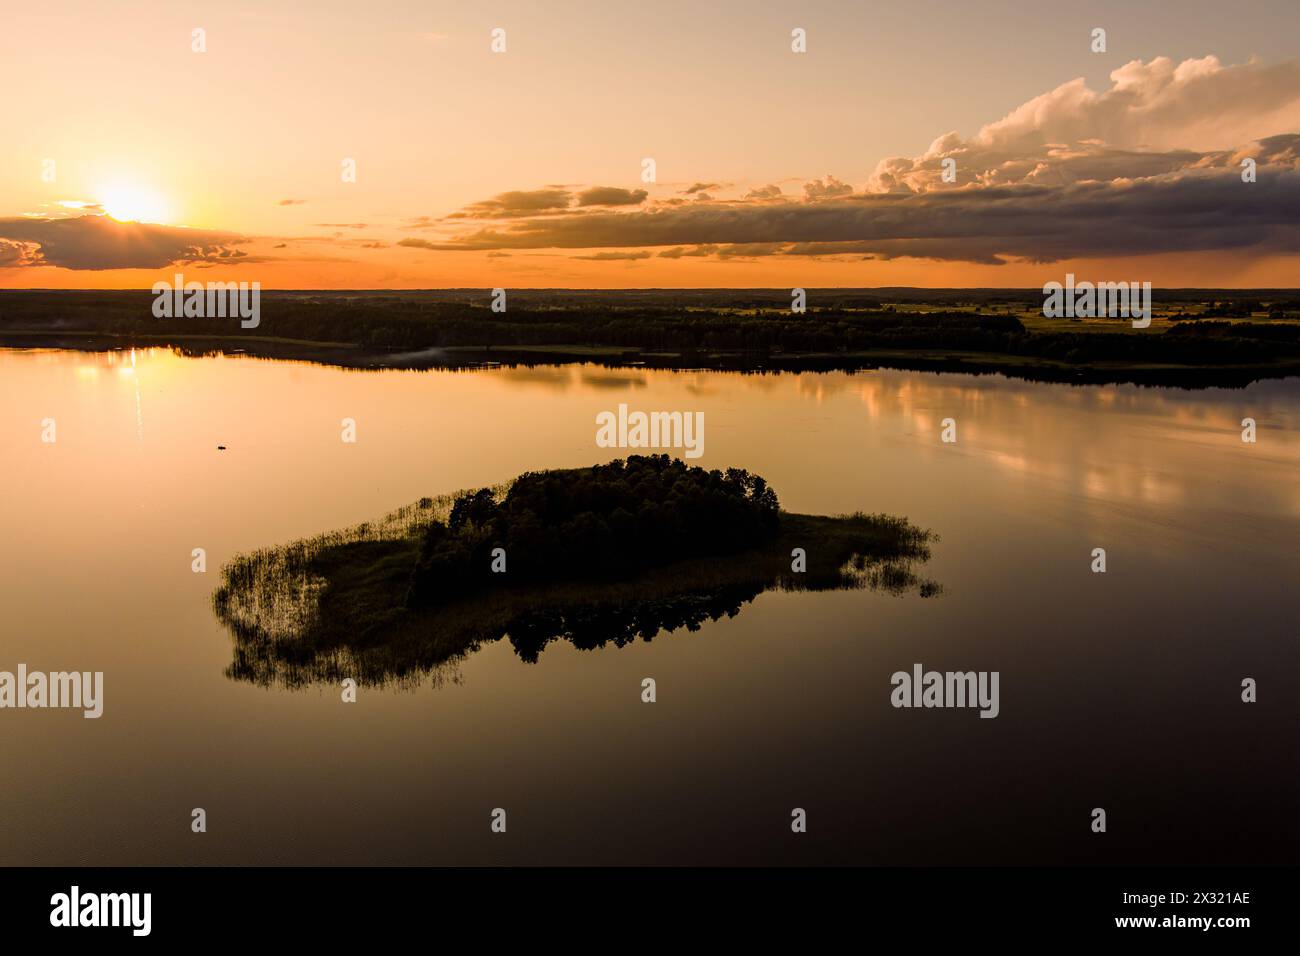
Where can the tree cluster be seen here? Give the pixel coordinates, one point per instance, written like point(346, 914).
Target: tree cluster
point(607, 522)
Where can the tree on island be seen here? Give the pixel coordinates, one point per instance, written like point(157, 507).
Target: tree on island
point(606, 522)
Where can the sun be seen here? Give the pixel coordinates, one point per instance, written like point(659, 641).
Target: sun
point(130, 203)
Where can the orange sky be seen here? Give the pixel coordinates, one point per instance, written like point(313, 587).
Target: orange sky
point(525, 167)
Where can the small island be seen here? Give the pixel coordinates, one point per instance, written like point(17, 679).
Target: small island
point(595, 556)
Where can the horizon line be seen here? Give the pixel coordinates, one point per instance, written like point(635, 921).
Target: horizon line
point(780, 289)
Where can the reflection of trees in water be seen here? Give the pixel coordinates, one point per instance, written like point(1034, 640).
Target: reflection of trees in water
point(592, 626)
point(427, 646)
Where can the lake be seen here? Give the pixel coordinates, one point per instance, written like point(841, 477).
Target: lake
point(1119, 690)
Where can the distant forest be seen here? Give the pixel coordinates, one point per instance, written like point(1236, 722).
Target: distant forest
point(755, 324)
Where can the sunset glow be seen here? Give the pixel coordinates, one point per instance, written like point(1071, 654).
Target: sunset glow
point(130, 203)
point(875, 157)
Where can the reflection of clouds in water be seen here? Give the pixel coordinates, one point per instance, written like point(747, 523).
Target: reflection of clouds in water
point(594, 377)
point(564, 378)
point(1116, 443)
point(1121, 444)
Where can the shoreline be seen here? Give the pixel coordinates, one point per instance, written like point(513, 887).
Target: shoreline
point(356, 356)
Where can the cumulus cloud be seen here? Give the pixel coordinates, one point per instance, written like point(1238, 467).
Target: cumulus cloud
point(1155, 118)
point(832, 188)
point(1197, 104)
point(98, 242)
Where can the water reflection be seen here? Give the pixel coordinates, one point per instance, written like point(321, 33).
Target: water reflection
point(1113, 445)
point(786, 704)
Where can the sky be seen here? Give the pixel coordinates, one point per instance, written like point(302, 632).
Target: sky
point(131, 156)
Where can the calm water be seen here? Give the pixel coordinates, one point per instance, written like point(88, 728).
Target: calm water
point(1119, 691)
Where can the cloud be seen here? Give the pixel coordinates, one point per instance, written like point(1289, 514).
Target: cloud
point(679, 252)
point(18, 254)
point(552, 200)
point(517, 203)
point(1197, 210)
point(1155, 118)
point(701, 188)
point(611, 196)
point(291, 202)
point(614, 256)
point(97, 242)
point(750, 250)
point(1197, 104)
point(1141, 168)
point(832, 188)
